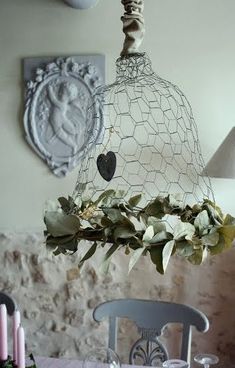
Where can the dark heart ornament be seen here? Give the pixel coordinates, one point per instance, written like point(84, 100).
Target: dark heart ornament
point(107, 165)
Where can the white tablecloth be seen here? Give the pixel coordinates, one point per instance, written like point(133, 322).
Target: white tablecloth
point(65, 363)
point(57, 363)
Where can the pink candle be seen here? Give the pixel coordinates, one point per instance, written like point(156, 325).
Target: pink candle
point(16, 323)
point(20, 348)
point(3, 333)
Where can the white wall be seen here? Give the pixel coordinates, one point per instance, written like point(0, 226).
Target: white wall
point(190, 42)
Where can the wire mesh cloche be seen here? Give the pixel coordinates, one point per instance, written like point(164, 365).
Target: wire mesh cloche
point(145, 167)
point(150, 143)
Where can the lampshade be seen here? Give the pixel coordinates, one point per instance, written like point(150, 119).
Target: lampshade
point(222, 163)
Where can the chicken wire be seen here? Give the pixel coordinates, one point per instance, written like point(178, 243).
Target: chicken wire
point(149, 126)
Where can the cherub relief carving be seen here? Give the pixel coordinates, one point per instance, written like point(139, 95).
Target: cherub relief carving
point(67, 118)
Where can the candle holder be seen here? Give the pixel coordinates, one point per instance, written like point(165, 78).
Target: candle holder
point(10, 363)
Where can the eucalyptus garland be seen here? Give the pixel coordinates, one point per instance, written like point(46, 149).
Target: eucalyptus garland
point(199, 230)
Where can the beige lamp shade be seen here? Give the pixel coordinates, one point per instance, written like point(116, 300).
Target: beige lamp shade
point(222, 163)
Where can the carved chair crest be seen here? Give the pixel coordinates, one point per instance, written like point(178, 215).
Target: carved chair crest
point(148, 350)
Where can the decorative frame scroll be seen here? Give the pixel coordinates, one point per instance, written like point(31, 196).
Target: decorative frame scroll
point(60, 124)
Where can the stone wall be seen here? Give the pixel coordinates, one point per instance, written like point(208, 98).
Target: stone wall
point(57, 302)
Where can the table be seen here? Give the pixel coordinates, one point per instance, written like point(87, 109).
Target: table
point(64, 363)
point(57, 363)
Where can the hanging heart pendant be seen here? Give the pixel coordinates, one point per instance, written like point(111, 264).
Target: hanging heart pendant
point(106, 165)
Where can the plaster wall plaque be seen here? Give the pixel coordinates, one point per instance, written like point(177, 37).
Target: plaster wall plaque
point(58, 120)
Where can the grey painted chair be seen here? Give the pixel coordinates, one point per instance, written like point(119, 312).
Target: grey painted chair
point(9, 301)
point(150, 318)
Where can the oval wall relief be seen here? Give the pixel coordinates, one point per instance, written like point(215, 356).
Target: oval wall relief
point(61, 120)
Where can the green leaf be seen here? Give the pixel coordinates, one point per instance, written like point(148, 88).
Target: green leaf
point(229, 220)
point(65, 204)
point(158, 225)
point(113, 214)
point(134, 201)
point(88, 254)
point(117, 199)
point(202, 221)
point(57, 252)
point(123, 232)
point(104, 267)
point(219, 247)
point(105, 195)
point(68, 242)
point(155, 208)
point(135, 243)
point(175, 200)
point(156, 257)
point(184, 249)
point(211, 239)
point(106, 222)
point(166, 254)
point(196, 242)
point(71, 245)
point(120, 194)
point(33, 360)
point(214, 211)
point(96, 221)
point(149, 233)
point(137, 253)
point(183, 230)
point(197, 257)
point(159, 237)
point(187, 214)
point(60, 224)
point(51, 246)
point(59, 240)
point(228, 232)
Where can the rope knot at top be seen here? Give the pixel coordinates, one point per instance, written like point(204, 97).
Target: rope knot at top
point(133, 26)
point(133, 6)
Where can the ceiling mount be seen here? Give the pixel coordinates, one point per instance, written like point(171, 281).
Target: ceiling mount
point(81, 4)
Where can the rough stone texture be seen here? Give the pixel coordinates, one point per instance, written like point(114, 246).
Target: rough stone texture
point(57, 302)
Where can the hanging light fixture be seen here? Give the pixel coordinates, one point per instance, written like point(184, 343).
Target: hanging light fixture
point(144, 171)
point(150, 143)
